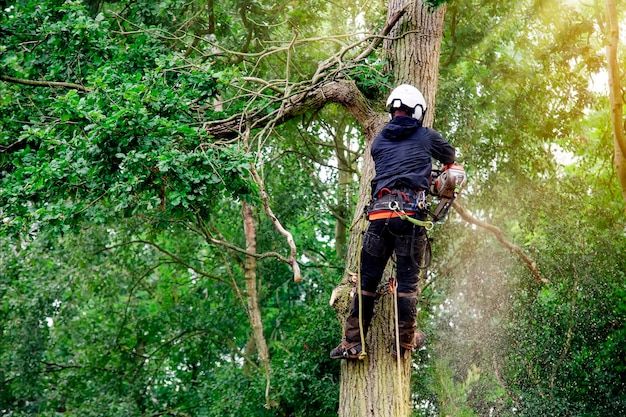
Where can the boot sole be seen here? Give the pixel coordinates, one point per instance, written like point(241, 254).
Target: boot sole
point(346, 356)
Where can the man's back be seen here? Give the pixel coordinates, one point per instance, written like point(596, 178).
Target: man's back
point(402, 154)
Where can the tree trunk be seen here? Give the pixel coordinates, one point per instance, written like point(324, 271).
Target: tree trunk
point(615, 95)
point(414, 48)
point(377, 386)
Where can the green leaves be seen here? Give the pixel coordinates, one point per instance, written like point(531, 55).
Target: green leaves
point(372, 78)
point(132, 143)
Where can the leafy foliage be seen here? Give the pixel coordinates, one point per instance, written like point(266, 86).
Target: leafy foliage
point(132, 140)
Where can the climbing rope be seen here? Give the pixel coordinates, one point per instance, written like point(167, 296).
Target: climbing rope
point(363, 354)
point(393, 287)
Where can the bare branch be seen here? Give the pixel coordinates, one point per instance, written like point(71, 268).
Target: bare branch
point(247, 253)
point(324, 87)
point(297, 275)
point(391, 22)
point(338, 57)
point(532, 266)
point(267, 84)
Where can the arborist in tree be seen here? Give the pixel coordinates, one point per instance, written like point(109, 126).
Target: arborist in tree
point(402, 154)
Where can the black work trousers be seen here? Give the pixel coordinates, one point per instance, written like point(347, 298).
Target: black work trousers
point(382, 238)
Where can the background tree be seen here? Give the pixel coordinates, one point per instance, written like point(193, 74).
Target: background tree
point(615, 93)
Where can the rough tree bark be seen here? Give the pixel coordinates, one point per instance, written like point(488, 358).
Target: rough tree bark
point(414, 47)
point(377, 386)
point(344, 178)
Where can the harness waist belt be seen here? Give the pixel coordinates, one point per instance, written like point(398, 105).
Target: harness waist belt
point(407, 200)
point(387, 214)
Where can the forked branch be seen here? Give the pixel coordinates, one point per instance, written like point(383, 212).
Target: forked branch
point(297, 275)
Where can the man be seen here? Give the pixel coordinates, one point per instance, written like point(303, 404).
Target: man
point(402, 157)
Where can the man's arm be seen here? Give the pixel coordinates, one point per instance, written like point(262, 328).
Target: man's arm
point(441, 150)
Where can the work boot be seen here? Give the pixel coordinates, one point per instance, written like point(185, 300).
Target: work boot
point(350, 347)
point(410, 339)
point(347, 350)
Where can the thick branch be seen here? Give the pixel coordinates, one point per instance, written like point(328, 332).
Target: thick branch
point(341, 92)
point(532, 266)
point(615, 95)
point(43, 83)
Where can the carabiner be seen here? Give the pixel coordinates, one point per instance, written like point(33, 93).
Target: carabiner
point(393, 205)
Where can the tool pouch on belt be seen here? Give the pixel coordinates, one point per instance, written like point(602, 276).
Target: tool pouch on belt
point(408, 200)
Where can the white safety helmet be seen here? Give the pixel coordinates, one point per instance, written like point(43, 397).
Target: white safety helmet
point(410, 98)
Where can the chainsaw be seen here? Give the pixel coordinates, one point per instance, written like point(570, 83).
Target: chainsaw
point(446, 184)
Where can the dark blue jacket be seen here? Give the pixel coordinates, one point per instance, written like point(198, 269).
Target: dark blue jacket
point(402, 154)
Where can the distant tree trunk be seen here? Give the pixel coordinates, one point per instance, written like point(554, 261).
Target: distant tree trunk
point(376, 386)
point(254, 311)
point(615, 95)
point(344, 178)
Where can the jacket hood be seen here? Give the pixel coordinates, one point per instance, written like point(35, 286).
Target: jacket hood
point(400, 128)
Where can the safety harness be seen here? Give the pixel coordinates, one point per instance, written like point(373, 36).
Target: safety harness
point(401, 202)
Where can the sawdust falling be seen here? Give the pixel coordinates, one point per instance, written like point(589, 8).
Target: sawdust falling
point(469, 322)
